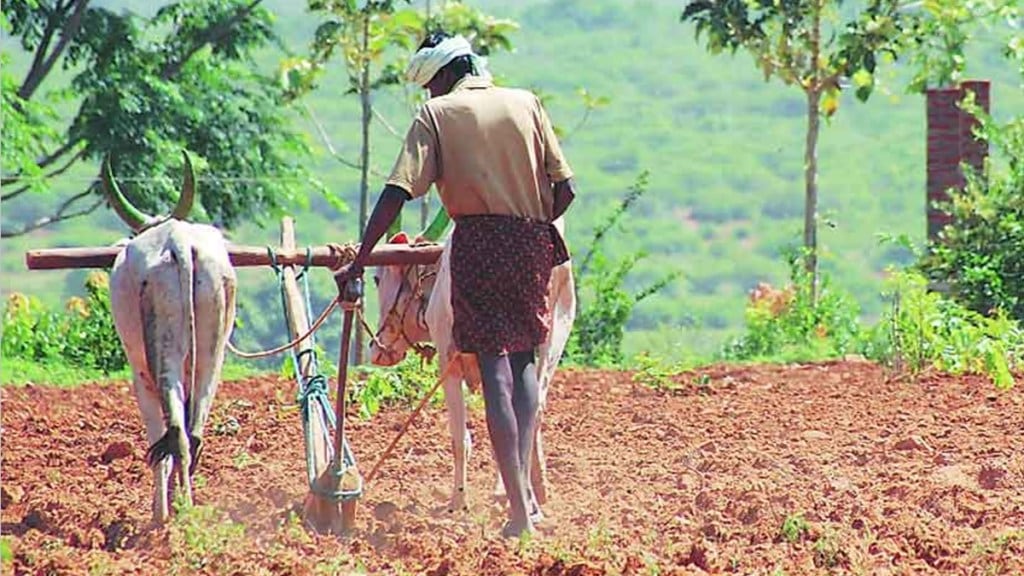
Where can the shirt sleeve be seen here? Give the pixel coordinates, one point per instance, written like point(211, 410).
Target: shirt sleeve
point(555, 164)
point(416, 167)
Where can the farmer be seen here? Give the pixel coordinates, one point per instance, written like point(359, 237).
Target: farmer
point(501, 175)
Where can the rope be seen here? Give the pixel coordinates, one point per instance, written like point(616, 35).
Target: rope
point(343, 254)
point(285, 347)
point(313, 397)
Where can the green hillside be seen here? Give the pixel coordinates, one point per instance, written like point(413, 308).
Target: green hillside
point(724, 150)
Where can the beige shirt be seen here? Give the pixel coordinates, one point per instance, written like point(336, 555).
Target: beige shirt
point(490, 150)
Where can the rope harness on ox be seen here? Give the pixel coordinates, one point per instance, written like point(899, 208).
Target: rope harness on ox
point(343, 254)
point(425, 351)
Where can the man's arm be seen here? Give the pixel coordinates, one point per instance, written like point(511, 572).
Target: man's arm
point(565, 193)
point(388, 207)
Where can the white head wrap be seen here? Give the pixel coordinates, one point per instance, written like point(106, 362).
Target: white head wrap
point(427, 61)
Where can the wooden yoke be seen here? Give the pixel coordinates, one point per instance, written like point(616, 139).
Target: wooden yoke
point(322, 256)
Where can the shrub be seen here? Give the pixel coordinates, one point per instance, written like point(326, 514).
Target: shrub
point(405, 382)
point(82, 335)
point(785, 323)
point(980, 256)
point(923, 329)
point(604, 305)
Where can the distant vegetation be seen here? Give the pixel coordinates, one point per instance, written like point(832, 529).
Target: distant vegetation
point(724, 151)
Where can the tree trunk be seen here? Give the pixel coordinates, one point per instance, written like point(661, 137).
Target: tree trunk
point(425, 206)
point(813, 91)
point(41, 68)
point(364, 155)
point(811, 190)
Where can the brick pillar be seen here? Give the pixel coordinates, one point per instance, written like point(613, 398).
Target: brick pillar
point(973, 150)
point(943, 155)
point(950, 142)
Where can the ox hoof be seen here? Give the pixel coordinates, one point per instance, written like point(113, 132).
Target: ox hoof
point(516, 529)
point(536, 515)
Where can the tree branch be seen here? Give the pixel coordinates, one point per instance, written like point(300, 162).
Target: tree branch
point(211, 35)
point(59, 152)
point(48, 160)
point(330, 146)
point(15, 194)
point(52, 23)
point(59, 216)
point(67, 165)
point(386, 125)
point(70, 30)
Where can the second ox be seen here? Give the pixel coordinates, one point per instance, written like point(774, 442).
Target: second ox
point(415, 309)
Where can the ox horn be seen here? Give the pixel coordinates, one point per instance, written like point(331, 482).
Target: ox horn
point(131, 215)
point(437, 226)
point(188, 190)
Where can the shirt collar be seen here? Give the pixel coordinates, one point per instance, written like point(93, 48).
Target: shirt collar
point(470, 82)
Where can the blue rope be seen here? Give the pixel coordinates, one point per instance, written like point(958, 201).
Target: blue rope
point(305, 267)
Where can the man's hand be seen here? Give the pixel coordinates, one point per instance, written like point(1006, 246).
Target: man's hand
point(565, 193)
point(345, 275)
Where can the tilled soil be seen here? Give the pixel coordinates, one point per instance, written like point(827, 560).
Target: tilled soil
point(806, 469)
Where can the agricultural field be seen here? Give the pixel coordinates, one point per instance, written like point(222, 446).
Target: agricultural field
point(821, 468)
point(718, 408)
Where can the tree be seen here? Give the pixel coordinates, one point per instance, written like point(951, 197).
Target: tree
point(808, 44)
point(144, 88)
point(597, 336)
point(941, 32)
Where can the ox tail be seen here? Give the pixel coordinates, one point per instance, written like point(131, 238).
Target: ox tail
point(170, 445)
point(187, 274)
point(176, 441)
point(167, 445)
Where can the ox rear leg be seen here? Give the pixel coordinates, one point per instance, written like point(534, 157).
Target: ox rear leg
point(461, 443)
point(153, 419)
point(173, 448)
point(161, 492)
point(214, 319)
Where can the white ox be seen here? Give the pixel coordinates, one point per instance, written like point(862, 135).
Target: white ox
point(415, 308)
point(172, 292)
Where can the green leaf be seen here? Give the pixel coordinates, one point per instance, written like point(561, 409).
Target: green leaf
point(863, 78)
point(407, 18)
point(437, 226)
point(830, 103)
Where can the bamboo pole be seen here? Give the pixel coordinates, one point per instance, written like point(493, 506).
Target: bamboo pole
point(298, 324)
point(241, 256)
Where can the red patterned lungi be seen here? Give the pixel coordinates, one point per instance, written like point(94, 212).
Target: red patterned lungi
point(500, 267)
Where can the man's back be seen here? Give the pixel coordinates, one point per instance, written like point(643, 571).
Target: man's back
point(493, 152)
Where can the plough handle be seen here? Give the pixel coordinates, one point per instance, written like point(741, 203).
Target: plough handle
point(350, 294)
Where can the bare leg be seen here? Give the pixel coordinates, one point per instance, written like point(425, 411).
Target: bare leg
point(525, 401)
point(503, 429)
